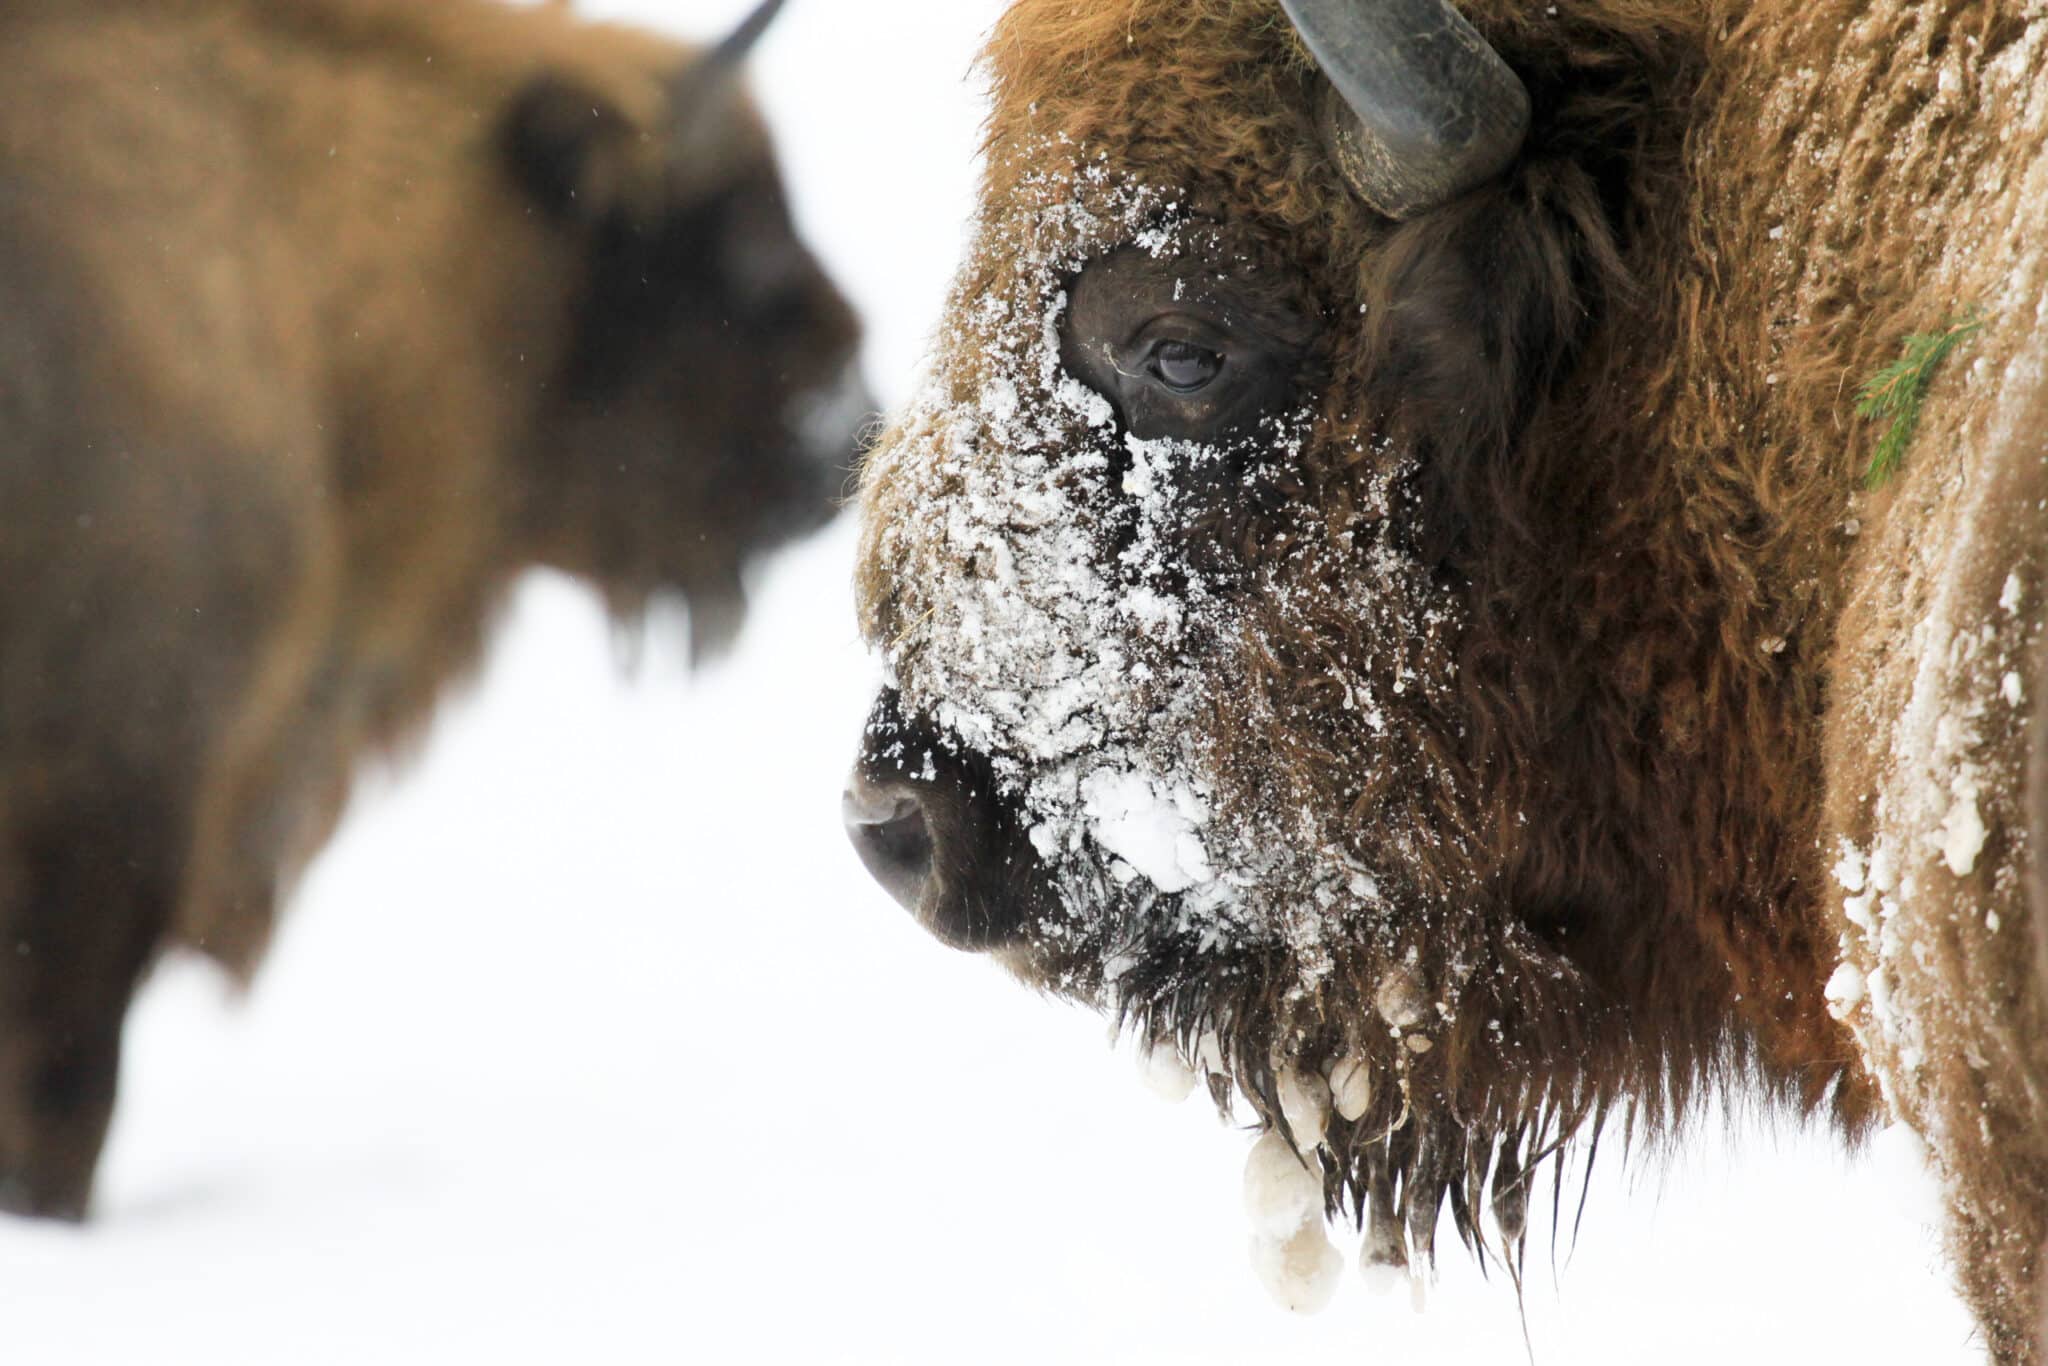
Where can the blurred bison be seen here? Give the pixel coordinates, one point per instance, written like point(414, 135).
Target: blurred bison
point(1381, 585)
point(319, 320)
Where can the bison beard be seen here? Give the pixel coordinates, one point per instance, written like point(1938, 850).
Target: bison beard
point(1493, 713)
point(319, 321)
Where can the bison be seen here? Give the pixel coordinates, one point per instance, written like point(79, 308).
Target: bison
point(319, 321)
point(1394, 589)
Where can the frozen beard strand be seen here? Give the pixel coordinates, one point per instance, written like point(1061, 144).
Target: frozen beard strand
point(1289, 1249)
point(1054, 620)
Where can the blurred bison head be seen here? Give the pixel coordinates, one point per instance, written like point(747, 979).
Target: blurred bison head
point(710, 366)
point(432, 294)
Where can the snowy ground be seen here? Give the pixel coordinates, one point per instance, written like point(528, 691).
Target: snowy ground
point(589, 1041)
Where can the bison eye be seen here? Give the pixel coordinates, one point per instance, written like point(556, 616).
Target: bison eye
point(1183, 366)
point(1196, 346)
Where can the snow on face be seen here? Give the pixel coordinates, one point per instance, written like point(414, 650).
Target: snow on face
point(1051, 620)
point(1042, 647)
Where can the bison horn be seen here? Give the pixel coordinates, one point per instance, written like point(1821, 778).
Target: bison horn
point(700, 83)
point(1419, 108)
point(734, 47)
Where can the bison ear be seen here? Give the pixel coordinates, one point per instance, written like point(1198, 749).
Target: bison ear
point(1476, 308)
point(572, 150)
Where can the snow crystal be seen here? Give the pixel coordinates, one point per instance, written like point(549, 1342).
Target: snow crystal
point(1849, 868)
point(1164, 1073)
point(999, 400)
point(1280, 1192)
point(1963, 833)
point(1400, 1000)
point(1844, 990)
point(1351, 1087)
point(1152, 830)
point(1305, 1103)
point(2010, 689)
point(1301, 1271)
point(1383, 1266)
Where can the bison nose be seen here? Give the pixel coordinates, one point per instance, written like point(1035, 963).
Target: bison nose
point(925, 816)
point(888, 830)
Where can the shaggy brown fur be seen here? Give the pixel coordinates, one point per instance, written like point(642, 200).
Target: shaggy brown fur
point(1697, 671)
point(319, 319)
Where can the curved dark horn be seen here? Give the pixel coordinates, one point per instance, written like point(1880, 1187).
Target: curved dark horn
point(701, 81)
point(733, 48)
point(1419, 107)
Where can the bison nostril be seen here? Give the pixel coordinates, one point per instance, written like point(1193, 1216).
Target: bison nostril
point(888, 831)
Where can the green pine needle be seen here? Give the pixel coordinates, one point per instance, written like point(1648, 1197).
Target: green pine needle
point(1894, 393)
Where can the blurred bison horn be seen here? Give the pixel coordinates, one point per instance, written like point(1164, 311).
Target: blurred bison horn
point(1419, 108)
point(734, 47)
point(697, 86)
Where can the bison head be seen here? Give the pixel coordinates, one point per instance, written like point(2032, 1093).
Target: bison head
point(711, 361)
point(1266, 664)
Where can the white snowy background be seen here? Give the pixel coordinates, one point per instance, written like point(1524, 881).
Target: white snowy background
point(589, 1041)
